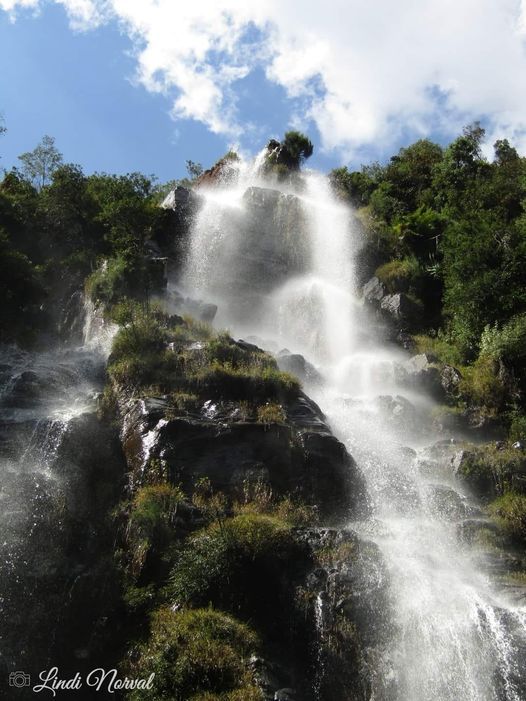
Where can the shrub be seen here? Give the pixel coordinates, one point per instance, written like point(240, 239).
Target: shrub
point(270, 413)
point(510, 511)
point(225, 562)
point(195, 655)
point(482, 386)
point(517, 430)
point(154, 506)
point(507, 342)
point(439, 346)
point(185, 401)
point(400, 275)
point(143, 336)
point(258, 498)
point(246, 382)
point(109, 283)
point(150, 524)
point(219, 368)
point(490, 471)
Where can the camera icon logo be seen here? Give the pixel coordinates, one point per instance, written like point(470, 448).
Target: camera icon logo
point(19, 679)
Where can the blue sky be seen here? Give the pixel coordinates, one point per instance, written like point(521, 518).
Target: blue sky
point(80, 88)
point(144, 85)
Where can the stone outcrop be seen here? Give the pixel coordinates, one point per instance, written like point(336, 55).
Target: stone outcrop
point(399, 310)
point(300, 457)
point(298, 366)
point(222, 173)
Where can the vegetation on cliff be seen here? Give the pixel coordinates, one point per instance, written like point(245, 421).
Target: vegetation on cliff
point(447, 227)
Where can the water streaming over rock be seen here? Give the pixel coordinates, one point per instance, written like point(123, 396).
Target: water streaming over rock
point(280, 266)
point(47, 405)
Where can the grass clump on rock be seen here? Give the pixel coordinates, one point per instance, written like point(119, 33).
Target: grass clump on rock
point(228, 562)
point(400, 275)
point(174, 355)
point(491, 471)
point(510, 512)
point(197, 655)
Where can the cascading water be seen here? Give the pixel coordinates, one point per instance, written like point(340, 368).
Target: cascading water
point(281, 268)
point(42, 395)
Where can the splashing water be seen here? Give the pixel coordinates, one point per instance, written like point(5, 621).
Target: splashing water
point(281, 268)
point(41, 395)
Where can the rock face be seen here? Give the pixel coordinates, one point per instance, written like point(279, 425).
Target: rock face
point(266, 244)
point(301, 458)
point(374, 291)
point(197, 308)
point(421, 373)
point(349, 614)
point(224, 172)
point(274, 243)
point(181, 206)
point(399, 310)
point(61, 473)
point(297, 365)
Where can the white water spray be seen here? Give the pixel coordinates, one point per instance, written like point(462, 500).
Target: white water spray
point(281, 268)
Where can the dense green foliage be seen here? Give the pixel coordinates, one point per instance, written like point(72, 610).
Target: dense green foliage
point(237, 552)
point(448, 226)
point(457, 216)
point(197, 655)
point(55, 234)
point(298, 146)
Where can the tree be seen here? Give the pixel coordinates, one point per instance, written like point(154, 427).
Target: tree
point(3, 127)
point(40, 164)
point(298, 146)
point(194, 170)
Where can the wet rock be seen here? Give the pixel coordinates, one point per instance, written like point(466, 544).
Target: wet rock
point(301, 458)
point(350, 611)
point(401, 309)
point(222, 173)
point(180, 198)
point(298, 366)
point(71, 322)
point(421, 372)
point(398, 411)
point(445, 503)
point(471, 530)
point(374, 291)
point(90, 462)
point(472, 469)
point(450, 379)
point(405, 340)
point(203, 311)
point(285, 695)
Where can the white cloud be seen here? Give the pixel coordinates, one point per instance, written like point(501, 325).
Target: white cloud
point(363, 72)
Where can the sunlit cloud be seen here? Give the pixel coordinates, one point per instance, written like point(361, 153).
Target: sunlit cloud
point(362, 73)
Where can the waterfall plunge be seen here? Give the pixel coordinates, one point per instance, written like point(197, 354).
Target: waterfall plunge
point(281, 268)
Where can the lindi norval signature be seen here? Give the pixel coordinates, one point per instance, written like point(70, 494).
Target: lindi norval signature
point(98, 679)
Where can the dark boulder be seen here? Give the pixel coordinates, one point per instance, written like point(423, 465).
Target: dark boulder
point(301, 458)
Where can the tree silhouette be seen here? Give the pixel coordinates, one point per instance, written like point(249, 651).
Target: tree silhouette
point(40, 164)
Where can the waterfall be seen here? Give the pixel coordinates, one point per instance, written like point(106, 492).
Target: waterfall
point(281, 267)
point(44, 398)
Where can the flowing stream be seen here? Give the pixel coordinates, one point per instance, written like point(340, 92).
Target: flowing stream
point(281, 267)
